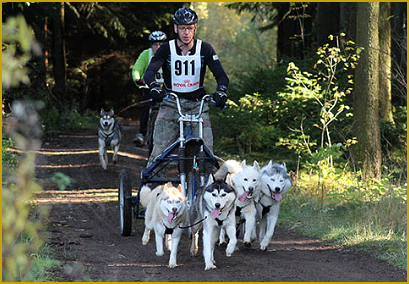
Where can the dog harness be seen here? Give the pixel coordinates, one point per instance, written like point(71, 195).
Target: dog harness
point(168, 230)
point(266, 209)
point(238, 208)
point(109, 137)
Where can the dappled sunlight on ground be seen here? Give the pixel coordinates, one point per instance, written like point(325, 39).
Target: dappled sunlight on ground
point(138, 265)
point(77, 196)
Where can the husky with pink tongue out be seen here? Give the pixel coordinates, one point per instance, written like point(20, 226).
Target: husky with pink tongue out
point(213, 209)
point(246, 181)
point(275, 182)
point(166, 212)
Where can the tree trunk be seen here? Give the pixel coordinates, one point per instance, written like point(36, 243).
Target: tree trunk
point(59, 54)
point(385, 63)
point(366, 98)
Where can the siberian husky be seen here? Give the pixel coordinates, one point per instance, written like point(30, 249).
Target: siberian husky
point(213, 208)
point(166, 212)
point(275, 182)
point(246, 181)
point(109, 135)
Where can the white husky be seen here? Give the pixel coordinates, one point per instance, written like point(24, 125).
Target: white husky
point(166, 211)
point(213, 208)
point(246, 181)
point(275, 181)
point(109, 135)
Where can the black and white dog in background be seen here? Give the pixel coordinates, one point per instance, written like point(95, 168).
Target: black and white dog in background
point(109, 135)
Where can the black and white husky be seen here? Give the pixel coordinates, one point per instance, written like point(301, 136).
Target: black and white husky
point(275, 182)
point(109, 135)
point(213, 208)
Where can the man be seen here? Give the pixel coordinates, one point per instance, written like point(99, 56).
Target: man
point(156, 39)
point(183, 61)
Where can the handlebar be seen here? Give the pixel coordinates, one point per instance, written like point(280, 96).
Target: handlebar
point(204, 99)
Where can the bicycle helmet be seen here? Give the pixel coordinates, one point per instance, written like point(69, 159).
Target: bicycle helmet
point(185, 16)
point(157, 36)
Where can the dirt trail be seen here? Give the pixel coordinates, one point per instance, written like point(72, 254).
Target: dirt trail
point(84, 231)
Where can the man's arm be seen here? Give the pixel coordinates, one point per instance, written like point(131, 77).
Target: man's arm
point(216, 68)
point(140, 65)
point(156, 63)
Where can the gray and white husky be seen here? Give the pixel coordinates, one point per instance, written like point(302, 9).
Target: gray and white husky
point(246, 181)
point(275, 182)
point(213, 208)
point(109, 135)
point(166, 212)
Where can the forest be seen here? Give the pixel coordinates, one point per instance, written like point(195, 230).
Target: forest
point(320, 86)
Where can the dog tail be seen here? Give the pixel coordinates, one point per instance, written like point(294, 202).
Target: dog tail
point(230, 167)
point(145, 192)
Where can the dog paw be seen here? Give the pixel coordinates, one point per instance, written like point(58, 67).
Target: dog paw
point(211, 266)
point(172, 265)
point(264, 248)
point(159, 253)
point(247, 244)
point(263, 245)
point(229, 252)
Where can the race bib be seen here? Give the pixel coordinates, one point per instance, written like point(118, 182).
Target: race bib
point(185, 69)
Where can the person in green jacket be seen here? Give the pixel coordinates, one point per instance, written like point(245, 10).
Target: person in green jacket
point(156, 39)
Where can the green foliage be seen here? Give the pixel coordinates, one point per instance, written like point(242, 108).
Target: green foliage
point(18, 190)
point(254, 116)
point(370, 215)
point(323, 87)
point(9, 161)
point(54, 122)
point(18, 45)
point(61, 180)
point(244, 120)
point(18, 184)
point(394, 146)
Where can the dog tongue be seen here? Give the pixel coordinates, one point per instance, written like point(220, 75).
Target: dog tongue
point(171, 216)
point(243, 196)
point(215, 213)
point(278, 196)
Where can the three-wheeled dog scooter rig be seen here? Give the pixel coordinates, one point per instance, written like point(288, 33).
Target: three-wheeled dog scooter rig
point(189, 153)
